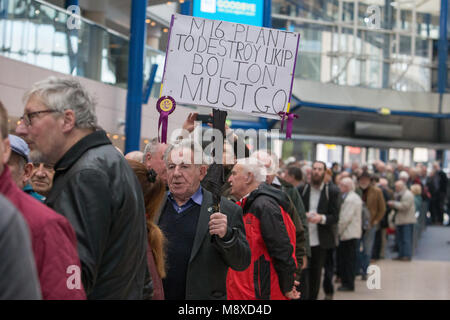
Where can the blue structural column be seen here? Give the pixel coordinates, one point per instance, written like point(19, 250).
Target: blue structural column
point(443, 48)
point(267, 18)
point(384, 155)
point(442, 68)
point(186, 8)
point(135, 75)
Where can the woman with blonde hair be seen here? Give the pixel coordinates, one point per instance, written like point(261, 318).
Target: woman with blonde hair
point(153, 190)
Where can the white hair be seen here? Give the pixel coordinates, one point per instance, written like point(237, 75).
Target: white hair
point(268, 159)
point(62, 94)
point(255, 167)
point(151, 147)
point(348, 182)
point(403, 175)
point(134, 155)
point(199, 156)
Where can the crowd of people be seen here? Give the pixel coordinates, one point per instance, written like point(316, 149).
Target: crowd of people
point(82, 221)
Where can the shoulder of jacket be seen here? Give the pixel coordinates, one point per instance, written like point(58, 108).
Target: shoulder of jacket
point(261, 201)
point(228, 204)
point(355, 197)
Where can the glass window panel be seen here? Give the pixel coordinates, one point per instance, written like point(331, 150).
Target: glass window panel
point(422, 47)
point(374, 44)
point(405, 45)
point(348, 11)
point(325, 10)
point(403, 20)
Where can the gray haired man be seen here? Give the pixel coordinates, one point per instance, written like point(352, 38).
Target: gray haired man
point(93, 187)
point(154, 158)
point(203, 245)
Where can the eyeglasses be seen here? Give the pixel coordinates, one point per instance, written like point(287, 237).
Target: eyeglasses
point(27, 117)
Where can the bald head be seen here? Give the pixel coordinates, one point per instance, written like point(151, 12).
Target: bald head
point(135, 155)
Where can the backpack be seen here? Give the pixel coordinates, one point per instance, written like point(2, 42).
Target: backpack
point(365, 217)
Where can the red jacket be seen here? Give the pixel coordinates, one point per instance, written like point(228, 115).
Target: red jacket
point(271, 235)
point(53, 242)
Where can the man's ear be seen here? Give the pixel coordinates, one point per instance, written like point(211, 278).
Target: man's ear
point(28, 170)
point(6, 151)
point(69, 120)
point(203, 170)
point(249, 178)
point(148, 158)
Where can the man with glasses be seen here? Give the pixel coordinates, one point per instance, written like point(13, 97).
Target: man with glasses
point(93, 187)
point(53, 239)
point(202, 244)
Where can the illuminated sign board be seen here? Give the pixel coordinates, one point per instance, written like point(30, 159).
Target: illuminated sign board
point(241, 11)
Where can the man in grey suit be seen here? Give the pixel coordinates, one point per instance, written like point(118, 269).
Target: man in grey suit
point(202, 244)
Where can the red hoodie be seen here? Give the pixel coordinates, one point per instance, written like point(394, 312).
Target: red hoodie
point(54, 243)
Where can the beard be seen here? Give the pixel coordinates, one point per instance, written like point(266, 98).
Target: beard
point(317, 180)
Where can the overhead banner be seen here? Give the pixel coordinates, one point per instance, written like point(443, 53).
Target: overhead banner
point(230, 66)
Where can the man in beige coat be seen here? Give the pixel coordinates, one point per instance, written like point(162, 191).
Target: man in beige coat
point(349, 230)
point(405, 219)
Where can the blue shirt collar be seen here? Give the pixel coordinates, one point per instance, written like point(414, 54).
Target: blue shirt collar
point(196, 198)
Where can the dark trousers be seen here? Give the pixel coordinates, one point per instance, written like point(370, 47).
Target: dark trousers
point(329, 266)
point(304, 283)
point(377, 245)
point(437, 208)
point(318, 256)
point(347, 261)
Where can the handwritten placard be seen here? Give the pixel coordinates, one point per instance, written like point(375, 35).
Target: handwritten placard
point(230, 66)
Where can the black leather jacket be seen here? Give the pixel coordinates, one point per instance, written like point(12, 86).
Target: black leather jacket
point(97, 191)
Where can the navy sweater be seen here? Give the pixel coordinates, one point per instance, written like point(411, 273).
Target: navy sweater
point(179, 229)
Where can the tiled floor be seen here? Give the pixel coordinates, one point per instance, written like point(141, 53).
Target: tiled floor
point(427, 277)
point(427, 280)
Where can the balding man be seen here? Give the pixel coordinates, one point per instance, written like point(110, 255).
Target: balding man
point(349, 231)
point(135, 155)
point(270, 234)
point(405, 219)
point(154, 158)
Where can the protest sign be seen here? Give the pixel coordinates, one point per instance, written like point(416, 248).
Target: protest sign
point(230, 66)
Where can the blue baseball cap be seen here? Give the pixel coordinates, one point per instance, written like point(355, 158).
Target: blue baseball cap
point(19, 146)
